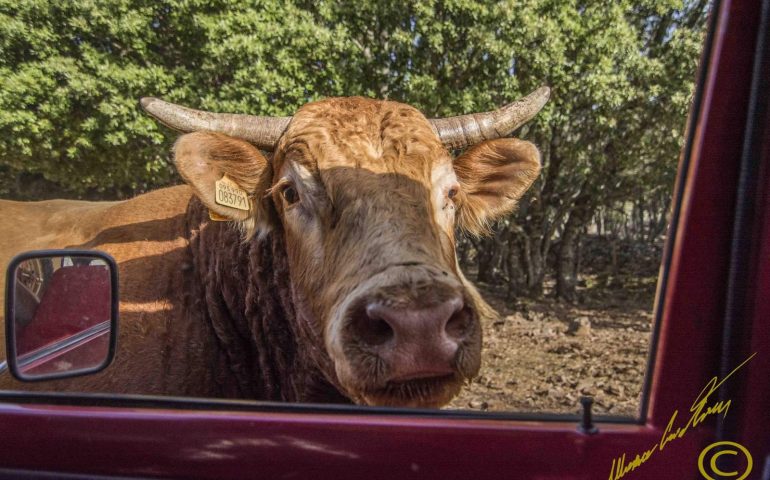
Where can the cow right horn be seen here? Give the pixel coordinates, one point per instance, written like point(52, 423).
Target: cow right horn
point(263, 132)
point(466, 130)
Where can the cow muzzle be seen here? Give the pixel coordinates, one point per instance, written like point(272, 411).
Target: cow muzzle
point(408, 337)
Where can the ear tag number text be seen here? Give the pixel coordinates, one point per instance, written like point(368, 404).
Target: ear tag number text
point(229, 194)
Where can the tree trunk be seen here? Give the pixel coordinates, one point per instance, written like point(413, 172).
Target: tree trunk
point(517, 278)
point(566, 265)
point(567, 255)
point(534, 262)
point(486, 258)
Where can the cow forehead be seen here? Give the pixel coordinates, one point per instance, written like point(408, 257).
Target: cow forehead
point(354, 132)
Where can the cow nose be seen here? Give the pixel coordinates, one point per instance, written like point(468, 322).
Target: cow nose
point(417, 342)
point(447, 318)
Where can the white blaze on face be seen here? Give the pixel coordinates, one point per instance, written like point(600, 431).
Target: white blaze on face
point(304, 176)
point(444, 180)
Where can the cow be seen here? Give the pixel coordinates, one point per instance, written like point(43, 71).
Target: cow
point(329, 274)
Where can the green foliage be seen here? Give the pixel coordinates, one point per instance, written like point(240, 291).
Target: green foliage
point(74, 72)
point(621, 71)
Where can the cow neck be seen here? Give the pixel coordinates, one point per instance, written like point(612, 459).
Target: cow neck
point(250, 306)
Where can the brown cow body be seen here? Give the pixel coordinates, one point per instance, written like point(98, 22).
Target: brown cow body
point(340, 283)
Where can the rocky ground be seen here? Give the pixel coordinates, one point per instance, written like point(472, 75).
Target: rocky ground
point(542, 356)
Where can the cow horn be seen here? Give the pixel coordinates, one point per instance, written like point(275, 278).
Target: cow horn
point(465, 130)
point(263, 132)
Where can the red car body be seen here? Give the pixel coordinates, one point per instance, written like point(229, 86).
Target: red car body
point(713, 312)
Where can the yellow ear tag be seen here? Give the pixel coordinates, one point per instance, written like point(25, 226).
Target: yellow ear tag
point(217, 217)
point(229, 194)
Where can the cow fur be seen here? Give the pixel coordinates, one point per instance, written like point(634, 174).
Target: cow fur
point(255, 321)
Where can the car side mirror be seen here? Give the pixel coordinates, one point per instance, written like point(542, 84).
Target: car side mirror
point(61, 313)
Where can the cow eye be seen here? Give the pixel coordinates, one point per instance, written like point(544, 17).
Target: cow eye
point(289, 193)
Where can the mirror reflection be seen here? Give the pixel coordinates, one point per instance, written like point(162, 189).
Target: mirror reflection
point(61, 315)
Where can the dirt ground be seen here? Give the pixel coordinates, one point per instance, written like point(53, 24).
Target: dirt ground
point(542, 356)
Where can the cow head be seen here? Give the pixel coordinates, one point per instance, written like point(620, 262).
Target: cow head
point(368, 199)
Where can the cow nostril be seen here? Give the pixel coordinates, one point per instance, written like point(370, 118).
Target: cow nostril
point(379, 332)
point(370, 329)
point(458, 324)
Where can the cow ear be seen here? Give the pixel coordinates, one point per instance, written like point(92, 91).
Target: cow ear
point(206, 159)
point(493, 175)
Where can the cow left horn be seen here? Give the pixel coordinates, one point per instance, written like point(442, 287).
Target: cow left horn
point(263, 132)
point(466, 130)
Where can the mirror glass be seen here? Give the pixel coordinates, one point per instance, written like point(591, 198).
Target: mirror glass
point(61, 315)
